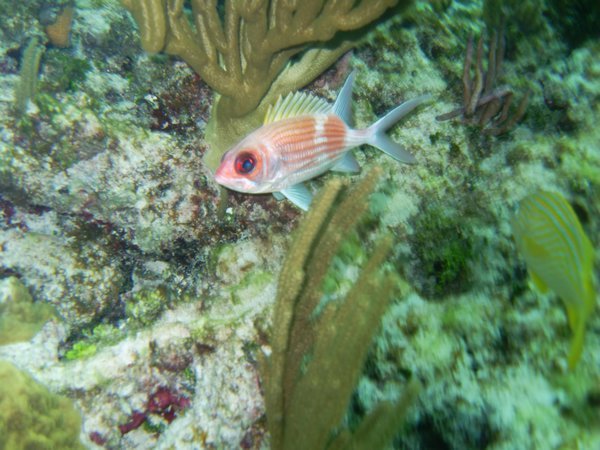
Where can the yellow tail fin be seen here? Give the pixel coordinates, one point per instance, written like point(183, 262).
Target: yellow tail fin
point(576, 345)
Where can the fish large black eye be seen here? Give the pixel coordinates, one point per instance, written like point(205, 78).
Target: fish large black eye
point(245, 163)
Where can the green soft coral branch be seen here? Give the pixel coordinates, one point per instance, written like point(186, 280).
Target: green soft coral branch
point(241, 53)
point(315, 361)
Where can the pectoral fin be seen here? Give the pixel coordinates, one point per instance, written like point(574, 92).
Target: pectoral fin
point(299, 195)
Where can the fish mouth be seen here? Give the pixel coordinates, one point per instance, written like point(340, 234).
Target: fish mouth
point(222, 179)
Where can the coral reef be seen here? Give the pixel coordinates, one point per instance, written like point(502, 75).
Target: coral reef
point(81, 283)
point(576, 20)
point(109, 215)
point(443, 250)
point(161, 402)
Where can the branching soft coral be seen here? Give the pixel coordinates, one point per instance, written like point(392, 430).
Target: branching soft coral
point(244, 49)
point(484, 104)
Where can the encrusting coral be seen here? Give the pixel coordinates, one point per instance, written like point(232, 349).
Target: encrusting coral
point(20, 317)
point(31, 417)
point(244, 51)
point(336, 342)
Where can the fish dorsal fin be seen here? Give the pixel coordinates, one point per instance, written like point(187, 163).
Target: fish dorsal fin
point(343, 103)
point(299, 195)
point(296, 104)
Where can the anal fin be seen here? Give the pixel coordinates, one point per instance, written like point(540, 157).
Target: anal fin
point(346, 163)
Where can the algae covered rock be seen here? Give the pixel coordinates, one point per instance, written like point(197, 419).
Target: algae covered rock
point(20, 316)
point(31, 417)
point(80, 281)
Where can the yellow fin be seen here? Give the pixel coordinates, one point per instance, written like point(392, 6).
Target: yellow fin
point(589, 296)
point(574, 315)
point(294, 105)
point(589, 293)
point(576, 345)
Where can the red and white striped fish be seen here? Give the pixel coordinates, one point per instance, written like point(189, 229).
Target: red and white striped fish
point(302, 137)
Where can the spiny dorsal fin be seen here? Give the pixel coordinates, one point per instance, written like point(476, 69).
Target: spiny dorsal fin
point(343, 103)
point(296, 104)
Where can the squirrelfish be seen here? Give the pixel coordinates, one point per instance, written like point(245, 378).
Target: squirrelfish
point(302, 137)
point(559, 257)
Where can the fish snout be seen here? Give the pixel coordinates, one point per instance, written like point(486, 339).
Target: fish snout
point(220, 175)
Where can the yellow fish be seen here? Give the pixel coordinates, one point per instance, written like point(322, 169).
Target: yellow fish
point(559, 257)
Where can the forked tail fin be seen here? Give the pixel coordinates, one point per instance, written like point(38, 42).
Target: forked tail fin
point(382, 141)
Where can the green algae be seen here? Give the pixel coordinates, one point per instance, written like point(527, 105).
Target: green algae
point(576, 20)
point(20, 317)
point(81, 350)
point(147, 305)
point(444, 249)
point(101, 335)
point(250, 286)
point(70, 71)
point(524, 15)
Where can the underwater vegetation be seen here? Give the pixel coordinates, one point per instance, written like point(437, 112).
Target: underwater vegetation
point(31, 417)
point(443, 250)
point(559, 257)
point(315, 362)
point(523, 16)
point(251, 52)
point(162, 402)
